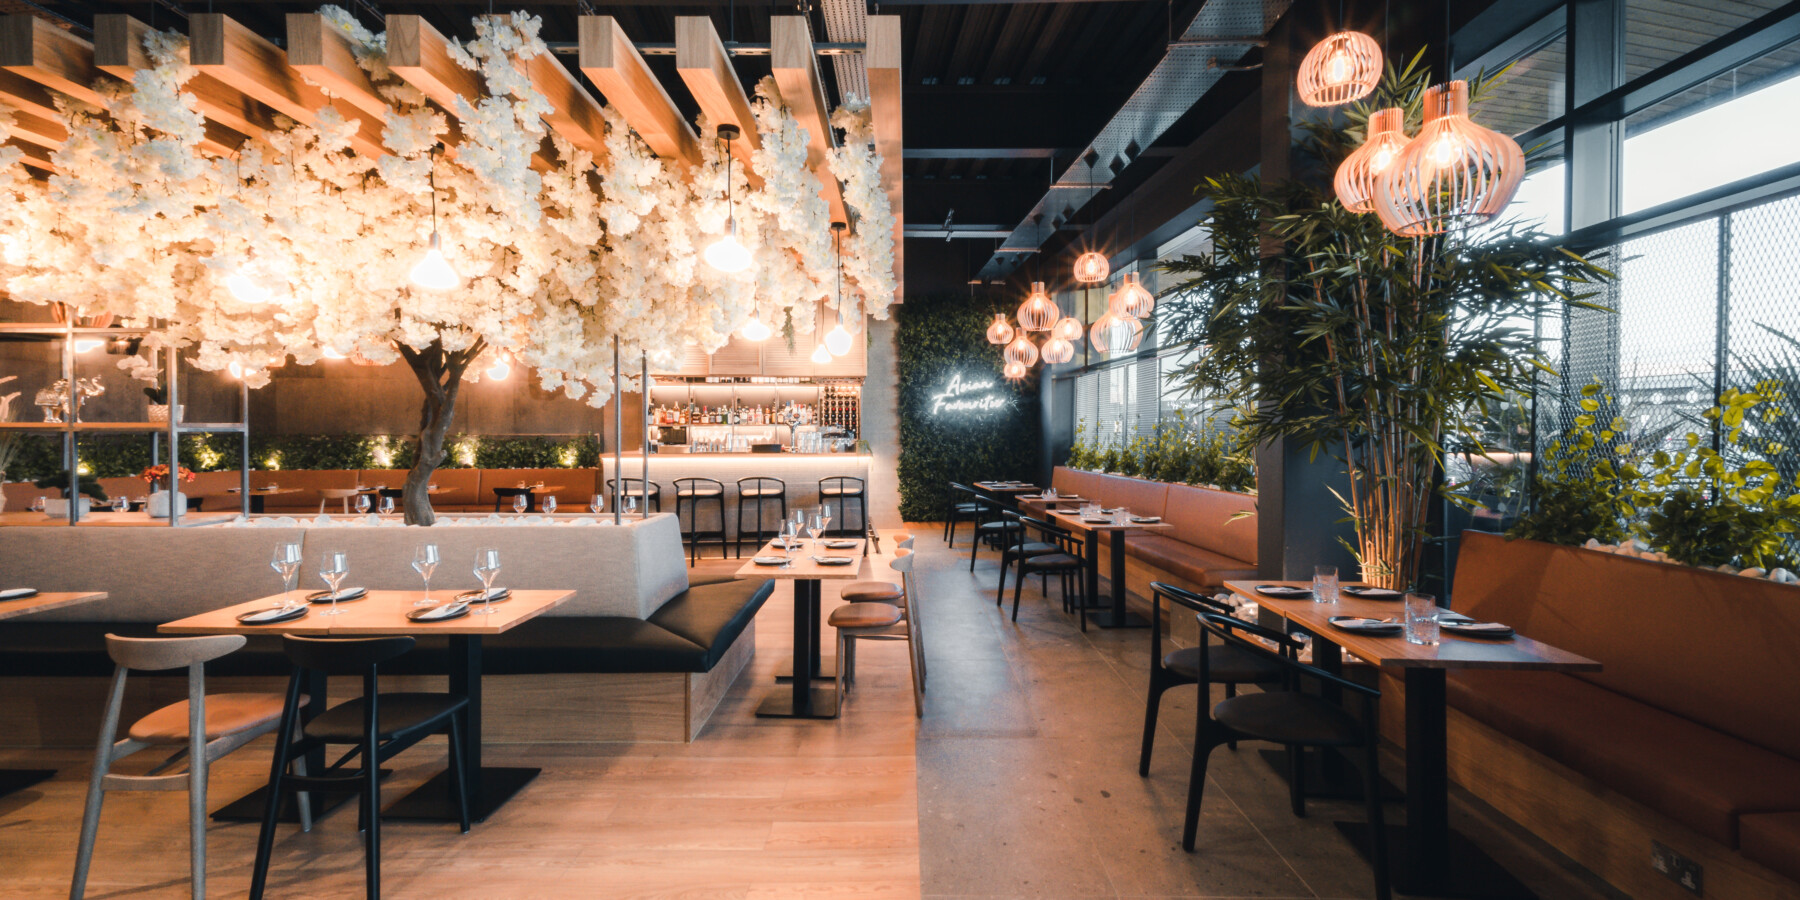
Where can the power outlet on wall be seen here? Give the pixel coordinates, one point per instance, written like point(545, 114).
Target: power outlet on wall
point(1675, 867)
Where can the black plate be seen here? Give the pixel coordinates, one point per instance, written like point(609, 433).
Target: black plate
point(1368, 593)
point(295, 613)
point(1462, 630)
point(420, 615)
point(475, 596)
point(23, 593)
point(1282, 592)
point(1344, 623)
point(325, 596)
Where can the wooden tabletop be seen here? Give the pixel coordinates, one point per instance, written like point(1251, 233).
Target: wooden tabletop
point(1451, 651)
point(804, 567)
point(1073, 521)
point(265, 492)
point(98, 519)
point(999, 488)
point(25, 606)
point(380, 612)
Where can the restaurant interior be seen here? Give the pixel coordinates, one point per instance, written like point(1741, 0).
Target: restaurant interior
point(1322, 449)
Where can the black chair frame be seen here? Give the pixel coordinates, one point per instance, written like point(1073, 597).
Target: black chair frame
point(760, 534)
point(651, 495)
point(1161, 676)
point(1073, 584)
point(1016, 548)
point(687, 494)
point(958, 508)
point(860, 494)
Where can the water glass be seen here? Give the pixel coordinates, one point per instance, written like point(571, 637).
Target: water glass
point(487, 567)
point(121, 504)
point(630, 505)
point(520, 503)
point(550, 505)
point(824, 517)
point(815, 526)
point(1421, 619)
point(1121, 516)
point(597, 503)
point(1325, 584)
point(425, 562)
point(790, 540)
point(334, 568)
point(362, 503)
point(387, 505)
point(286, 563)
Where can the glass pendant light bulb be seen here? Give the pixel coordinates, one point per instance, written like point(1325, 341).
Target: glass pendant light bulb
point(1067, 328)
point(727, 255)
point(1338, 68)
point(837, 340)
point(246, 289)
point(820, 355)
point(500, 369)
point(1014, 371)
point(236, 369)
point(1000, 331)
point(434, 272)
point(331, 353)
point(754, 330)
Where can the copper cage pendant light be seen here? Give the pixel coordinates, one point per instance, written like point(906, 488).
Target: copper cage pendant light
point(1037, 313)
point(1454, 169)
point(1021, 351)
point(1356, 177)
point(1057, 351)
point(1340, 69)
point(999, 331)
point(1091, 268)
point(1134, 300)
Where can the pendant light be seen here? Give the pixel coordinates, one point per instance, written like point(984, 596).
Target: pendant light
point(820, 355)
point(999, 331)
point(755, 330)
point(1452, 170)
point(1132, 299)
point(1356, 177)
point(1340, 69)
point(501, 368)
point(1067, 328)
point(726, 254)
point(1021, 351)
point(1014, 371)
point(245, 289)
point(837, 340)
point(1037, 313)
point(1116, 334)
point(434, 272)
point(1057, 351)
point(1091, 268)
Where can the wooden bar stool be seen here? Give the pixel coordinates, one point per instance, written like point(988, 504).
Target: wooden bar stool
point(882, 622)
point(200, 728)
point(758, 490)
point(841, 490)
point(692, 492)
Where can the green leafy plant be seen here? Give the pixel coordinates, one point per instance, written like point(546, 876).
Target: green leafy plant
point(1585, 484)
point(59, 481)
point(1182, 450)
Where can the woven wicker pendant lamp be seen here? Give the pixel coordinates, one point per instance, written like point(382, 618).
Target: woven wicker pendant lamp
point(1340, 69)
point(1453, 170)
point(1356, 177)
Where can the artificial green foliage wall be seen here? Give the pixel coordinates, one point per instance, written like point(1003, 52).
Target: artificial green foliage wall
point(119, 455)
point(936, 338)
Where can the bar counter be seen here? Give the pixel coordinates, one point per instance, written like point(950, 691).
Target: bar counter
point(801, 473)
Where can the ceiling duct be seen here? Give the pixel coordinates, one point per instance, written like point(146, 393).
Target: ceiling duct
point(1189, 68)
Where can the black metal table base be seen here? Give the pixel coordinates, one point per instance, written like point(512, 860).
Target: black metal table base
point(1107, 618)
point(249, 808)
point(1342, 783)
point(433, 801)
point(827, 671)
point(14, 780)
point(1471, 873)
point(780, 705)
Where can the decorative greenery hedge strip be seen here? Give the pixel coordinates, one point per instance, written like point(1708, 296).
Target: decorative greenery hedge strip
point(1180, 452)
point(120, 455)
point(939, 338)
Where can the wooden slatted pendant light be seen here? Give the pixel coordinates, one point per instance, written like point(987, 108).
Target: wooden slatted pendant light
point(1355, 180)
point(1058, 351)
point(1021, 351)
point(1453, 170)
point(1037, 313)
point(1000, 331)
point(1068, 328)
point(1115, 333)
point(1091, 268)
point(1340, 69)
point(1014, 371)
point(1134, 300)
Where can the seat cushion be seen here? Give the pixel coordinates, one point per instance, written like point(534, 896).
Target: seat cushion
point(226, 714)
point(1693, 774)
point(713, 615)
point(1772, 839)
point(1195, 564)
point(1230, 665)
point(864, 615)
point(871, 592)
point(397, 714)
point(1033, 548)
point(1287, 717)
point(1051, 562)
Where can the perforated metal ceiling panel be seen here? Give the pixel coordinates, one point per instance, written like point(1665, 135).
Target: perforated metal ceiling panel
point(848, 21)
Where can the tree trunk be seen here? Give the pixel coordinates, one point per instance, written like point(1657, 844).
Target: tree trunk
point(440, 375)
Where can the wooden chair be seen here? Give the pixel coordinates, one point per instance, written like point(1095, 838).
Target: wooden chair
point(878, 591)
point(883, 622)
point(1231, 666)
point(346, 495)
point(1291, 718)
point(842, 490)
point(202, 729)
point(378, 726)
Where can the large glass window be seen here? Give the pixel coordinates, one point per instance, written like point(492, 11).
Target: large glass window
point(1658, 31)
point(1531, 92)
point(1727, 128)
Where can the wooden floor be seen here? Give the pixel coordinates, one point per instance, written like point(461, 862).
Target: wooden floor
point(756, 808)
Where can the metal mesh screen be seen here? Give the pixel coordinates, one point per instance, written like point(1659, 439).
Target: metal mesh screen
point(1763, 315)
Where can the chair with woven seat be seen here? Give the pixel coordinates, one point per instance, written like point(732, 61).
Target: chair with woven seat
point(962, 505)
point(758, 490)
point(1015, 549)
point(883, 622)
point(377, 725)
point(201, 728)
point(1064, 561)
point(691, 493)
point(634, 487)
point(842, 490)
point(1289, 717)
point(1230, 665)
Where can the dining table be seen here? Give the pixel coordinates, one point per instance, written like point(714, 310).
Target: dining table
point(259, 495)
point(1115, 616)
point(14, 780)
point(802, 699)
point(532, 493)
point(381, 613)
point(1433, 860)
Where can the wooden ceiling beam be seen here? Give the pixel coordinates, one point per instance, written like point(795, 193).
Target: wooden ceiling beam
point(575, 114)
point(420, 55)
point(223, 48)
point(882, 58)
point(608, 58)
point(706, 69)
point(26, 96)
point(36, 156)
point(324, 55)
point(33, 129)
point(797, 75)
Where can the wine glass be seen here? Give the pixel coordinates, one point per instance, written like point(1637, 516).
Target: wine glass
point(824, 517)
point(334, 568)
point(815, 526)
point(387, 505)
point(487, 567)
point(550, 505)
point(38, 505)
point(630, 505)
point(799, 520)
point(596, 503)
point(425, 562)
point(790, 540)
point(520, 503)
point(121, 504)
point(286, 563)
point(362, 503)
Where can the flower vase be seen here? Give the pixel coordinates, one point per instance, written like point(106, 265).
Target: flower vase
point(157, 505)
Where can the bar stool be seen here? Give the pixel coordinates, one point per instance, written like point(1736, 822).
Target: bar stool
point(878, 591)
point(843, 489)
point(692, 492)
point(882, 622)
point(378, 725)
point(634, 487)
point(202, 728)
point(1230, 666)
point(759, 489)
point(503, 497)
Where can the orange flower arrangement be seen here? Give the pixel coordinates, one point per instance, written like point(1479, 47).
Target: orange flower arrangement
point(160, 472)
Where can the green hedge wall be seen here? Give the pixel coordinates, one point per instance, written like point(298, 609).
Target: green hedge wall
point(938, 337)
point(119, 455)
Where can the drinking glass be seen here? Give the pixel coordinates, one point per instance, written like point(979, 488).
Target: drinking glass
point(824, 516)
point(37, 505)
point(1121, 516)
point(596, 503)
point(790, 540)
point(815, 526)
point(799, 520)
point(550, 505)
point(387, 505)
point(286, 563)
point(630, 505)
point(1325, 584)
point(333, 569)
point(1421, 619)
point(121, 504)
point(362, 504)
point(487, 567)
point(425, 562)
point(520, 502)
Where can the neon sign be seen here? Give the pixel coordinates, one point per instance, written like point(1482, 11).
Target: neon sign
point(969, 396)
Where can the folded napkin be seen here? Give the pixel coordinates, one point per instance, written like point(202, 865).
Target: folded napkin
point(1477, 629)
point(1282, 590)
point(1097, 521)
point(840, 545)
point(349, 593)
point(834, 560)
point(1446, 617)
point(17, 593)
point(435, 613)
point(478, 595)
point(1372, 593)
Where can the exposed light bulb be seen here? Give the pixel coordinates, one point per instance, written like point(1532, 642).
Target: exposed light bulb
point(1446, 150)
point(236, 369)
point(434, 272)
point(1014, 371)
point(727, 255)
point(246, 289)
point(837, 340)
point(1380, 161)
point(332, 353)
point(755, 330)
point(500, 369)
point(1337, 71)
point(820, 355)
point(88, 345)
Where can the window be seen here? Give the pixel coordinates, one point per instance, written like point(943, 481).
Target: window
point(1717, 132)
point(1658, 31)
point(1530, 93)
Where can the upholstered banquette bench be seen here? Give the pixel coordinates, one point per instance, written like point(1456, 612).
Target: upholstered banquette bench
point(642, 649)
point(1213, 538)
point(1689, 737)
